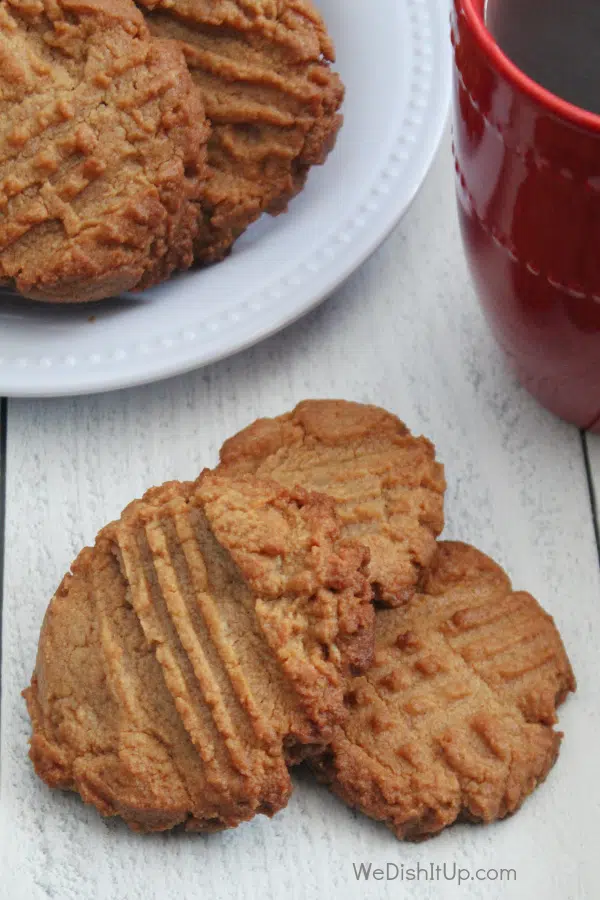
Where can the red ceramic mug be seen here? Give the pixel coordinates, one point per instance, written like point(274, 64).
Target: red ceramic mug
point(528, 179)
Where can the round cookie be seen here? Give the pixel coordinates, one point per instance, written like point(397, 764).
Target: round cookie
point(197, 648)
point(263, 70)
point(388, 488)
point(454, 719)
point(102, 151)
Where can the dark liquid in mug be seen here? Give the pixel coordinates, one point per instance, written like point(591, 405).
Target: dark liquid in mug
point(555, 42)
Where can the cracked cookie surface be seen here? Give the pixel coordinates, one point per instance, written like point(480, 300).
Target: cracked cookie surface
point(196, 649)
point(388, 488)
point(455, 718)
point(102, 151)
point(263, 69)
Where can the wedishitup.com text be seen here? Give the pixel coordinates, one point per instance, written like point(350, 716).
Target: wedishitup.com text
point(390, 871)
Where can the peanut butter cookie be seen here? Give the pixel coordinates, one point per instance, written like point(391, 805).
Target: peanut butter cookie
point(454, 719)
point(195, 649)
point(102, 150)
point(263, 69)
point(388, 488)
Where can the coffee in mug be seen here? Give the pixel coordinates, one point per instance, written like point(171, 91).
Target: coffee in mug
point(555, 42)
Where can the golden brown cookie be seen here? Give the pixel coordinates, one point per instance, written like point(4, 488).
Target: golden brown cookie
point(262, 67)
point(454, 719)
point(102, 150)
point(388, 488)
point(195, 649)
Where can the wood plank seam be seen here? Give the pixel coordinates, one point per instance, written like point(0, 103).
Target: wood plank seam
point(592, 489)
point(3, 434)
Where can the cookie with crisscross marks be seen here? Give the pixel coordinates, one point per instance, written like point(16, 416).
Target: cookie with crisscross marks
point(386, 483)
point(102, 151)
point(455, 718)
point(196, 649)
point(263, 68)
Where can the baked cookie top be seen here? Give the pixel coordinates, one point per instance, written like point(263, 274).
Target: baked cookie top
point(198, 647)
point(263, 69)
point(454, 719)
point(102, 150)
point(387, 486)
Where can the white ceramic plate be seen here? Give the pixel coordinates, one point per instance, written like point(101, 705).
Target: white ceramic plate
point(394, 57)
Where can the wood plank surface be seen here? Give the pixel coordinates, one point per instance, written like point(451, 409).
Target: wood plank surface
point(404, 332)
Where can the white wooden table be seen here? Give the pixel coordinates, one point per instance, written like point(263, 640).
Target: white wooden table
point(405, 332)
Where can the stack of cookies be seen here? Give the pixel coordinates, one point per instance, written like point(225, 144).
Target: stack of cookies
point(295, 605)
point(138, 140)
